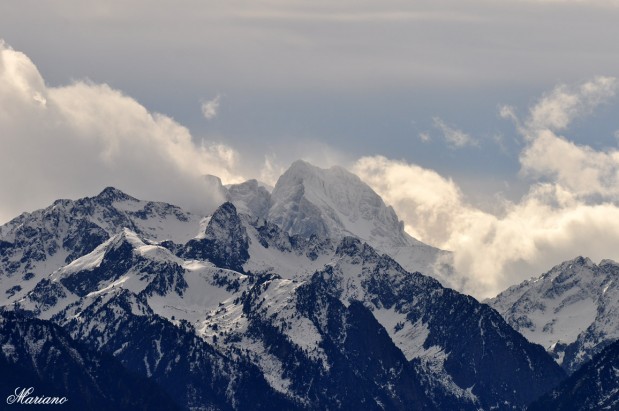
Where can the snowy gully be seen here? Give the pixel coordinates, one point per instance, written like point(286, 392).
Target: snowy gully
point(23, 396)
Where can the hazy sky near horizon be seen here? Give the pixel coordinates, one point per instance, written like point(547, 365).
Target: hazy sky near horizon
point(489, 125)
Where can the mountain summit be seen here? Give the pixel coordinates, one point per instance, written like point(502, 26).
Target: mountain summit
point(334, 203)
point(572, 310)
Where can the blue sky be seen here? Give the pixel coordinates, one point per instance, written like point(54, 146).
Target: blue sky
point(418, 83)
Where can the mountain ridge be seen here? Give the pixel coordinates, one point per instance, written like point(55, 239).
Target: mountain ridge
point(259, 320)
point(571, 310)
point(308, 320)
point(335, 203)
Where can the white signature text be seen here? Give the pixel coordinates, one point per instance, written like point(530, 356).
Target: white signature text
point(24, 396)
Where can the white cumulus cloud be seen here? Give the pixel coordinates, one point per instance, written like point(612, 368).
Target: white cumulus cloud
point(557, 109)
point(494, 250)
point(74, 140)
point(570, 209)
point(550, 156)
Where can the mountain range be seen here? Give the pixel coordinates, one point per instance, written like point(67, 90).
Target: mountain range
point(309, 296)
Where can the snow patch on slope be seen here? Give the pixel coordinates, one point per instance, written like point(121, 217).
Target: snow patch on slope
point(408, 337)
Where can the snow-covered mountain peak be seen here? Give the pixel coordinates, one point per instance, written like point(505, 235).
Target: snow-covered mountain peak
point(355, 250)
point(609, 263)
point(126, 243)
point(125, 235)
point(571, 269)
point(123, 250)
point(224, 220)
point(579, 261)
point(225, 241)
point(350, 246)
point(332, 203)
point(214, 186)
point(577, 274)
point(572, 310)
point(315, 206)
point(112, 194)
point(123, 262)
point(250, 198)
point(33, 245)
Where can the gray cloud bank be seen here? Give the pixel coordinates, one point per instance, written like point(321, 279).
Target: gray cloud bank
point(279, 44)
